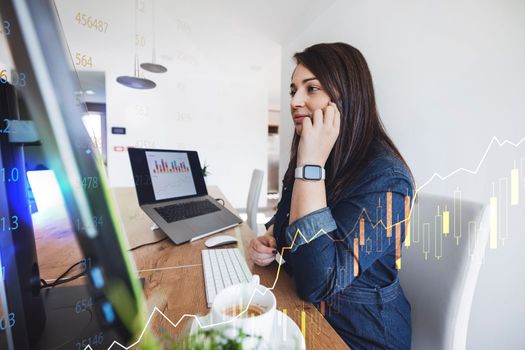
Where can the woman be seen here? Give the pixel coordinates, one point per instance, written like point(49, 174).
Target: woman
point(340, 234)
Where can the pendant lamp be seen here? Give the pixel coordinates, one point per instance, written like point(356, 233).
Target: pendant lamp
point(153, 67)
point(134, 81)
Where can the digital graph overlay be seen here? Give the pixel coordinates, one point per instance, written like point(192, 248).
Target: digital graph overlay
point(171, 175)
point(442, 220)
point(303, 316)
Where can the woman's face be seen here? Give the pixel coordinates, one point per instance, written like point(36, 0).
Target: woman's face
point(307, 95)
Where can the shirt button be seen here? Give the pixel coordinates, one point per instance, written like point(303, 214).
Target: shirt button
point(288, 214)
point(284, 189)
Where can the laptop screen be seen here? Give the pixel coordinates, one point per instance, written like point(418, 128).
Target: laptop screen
point(170, 174)
point(163, 175)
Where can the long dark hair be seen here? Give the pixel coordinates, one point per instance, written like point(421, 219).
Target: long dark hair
point(344, 74)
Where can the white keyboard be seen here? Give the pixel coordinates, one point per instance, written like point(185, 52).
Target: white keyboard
point(222, 268)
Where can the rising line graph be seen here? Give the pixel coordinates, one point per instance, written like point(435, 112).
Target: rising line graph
point(298, 233)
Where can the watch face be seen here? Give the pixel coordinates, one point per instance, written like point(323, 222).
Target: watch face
point(312, 172)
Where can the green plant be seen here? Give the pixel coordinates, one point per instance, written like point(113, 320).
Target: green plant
point(212, 339)
point(205, 171)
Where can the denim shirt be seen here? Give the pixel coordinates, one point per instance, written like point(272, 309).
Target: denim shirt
point(320, 253)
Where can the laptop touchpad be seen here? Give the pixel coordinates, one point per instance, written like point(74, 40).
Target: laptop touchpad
point(203, 223)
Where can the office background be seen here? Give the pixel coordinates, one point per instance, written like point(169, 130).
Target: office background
point(449, 76)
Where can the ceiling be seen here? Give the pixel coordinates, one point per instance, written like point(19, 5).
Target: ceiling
point(276, 19)
point(239, 36)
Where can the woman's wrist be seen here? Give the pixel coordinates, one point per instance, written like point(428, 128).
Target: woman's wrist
point(307, 197)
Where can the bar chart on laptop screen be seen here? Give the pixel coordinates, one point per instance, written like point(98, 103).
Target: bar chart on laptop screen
point(170, 174)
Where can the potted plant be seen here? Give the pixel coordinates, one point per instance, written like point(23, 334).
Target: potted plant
point(217, 338)
point(205, 170)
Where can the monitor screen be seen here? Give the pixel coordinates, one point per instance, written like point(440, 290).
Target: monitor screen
point(164, 175)
point(170, 174)
point(37, 51)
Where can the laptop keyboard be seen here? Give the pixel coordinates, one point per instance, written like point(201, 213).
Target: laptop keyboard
point(181, 211)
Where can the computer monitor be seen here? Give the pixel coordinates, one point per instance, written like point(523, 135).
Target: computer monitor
point(48, 89)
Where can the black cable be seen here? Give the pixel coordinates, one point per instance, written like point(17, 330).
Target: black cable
point(66, 280)
point(146, 244)
point(61, 280)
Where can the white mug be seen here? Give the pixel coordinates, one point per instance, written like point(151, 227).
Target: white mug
point(242, 295)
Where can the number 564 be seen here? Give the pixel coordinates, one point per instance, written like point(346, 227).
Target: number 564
point(83, 60)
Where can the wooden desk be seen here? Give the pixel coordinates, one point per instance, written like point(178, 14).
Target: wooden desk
point(174, 281)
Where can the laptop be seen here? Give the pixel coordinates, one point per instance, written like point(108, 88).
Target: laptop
point(171, 191)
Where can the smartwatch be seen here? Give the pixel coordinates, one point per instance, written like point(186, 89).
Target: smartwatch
point(310, 172)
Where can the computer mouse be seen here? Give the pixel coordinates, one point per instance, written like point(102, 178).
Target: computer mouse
point(219, 240)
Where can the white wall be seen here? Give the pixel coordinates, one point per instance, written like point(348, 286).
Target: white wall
point(214, 98)
point(449, 76)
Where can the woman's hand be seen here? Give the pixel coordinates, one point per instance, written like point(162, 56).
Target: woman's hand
point(262, 249)
point(318, 136)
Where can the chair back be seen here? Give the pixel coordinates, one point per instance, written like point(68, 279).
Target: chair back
point(252, 204)
point(439, 270)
